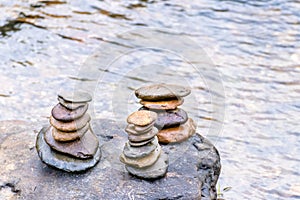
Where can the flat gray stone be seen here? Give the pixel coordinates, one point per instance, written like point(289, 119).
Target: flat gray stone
point(70, 105)
point(161, 92)
point(139, 152)
point(75, 96)
point(194, 168)
point(157, 170)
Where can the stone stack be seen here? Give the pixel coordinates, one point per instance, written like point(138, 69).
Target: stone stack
point(72, 145)
point(173, 122)
point(142, 154)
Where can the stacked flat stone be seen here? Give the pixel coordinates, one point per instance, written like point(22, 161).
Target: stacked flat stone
point(173, 122)
point(142, 154)
point(72, 144)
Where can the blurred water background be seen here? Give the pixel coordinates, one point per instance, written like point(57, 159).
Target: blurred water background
point(46, 46)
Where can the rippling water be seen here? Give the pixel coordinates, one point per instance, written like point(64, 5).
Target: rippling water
point(46, 46)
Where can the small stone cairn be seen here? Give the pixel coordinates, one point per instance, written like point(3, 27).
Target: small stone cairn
point(69, 142)
point(142, 154)
point(173, 122)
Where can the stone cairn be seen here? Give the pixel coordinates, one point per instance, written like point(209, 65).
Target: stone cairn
point(142, 154)
point(69, 142)
point(173, 122)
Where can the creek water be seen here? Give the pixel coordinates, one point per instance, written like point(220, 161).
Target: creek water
point(241, 60)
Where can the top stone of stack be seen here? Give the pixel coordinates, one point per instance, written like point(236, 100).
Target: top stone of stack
point(159, 92)
point(142, 118)
point(75, 97)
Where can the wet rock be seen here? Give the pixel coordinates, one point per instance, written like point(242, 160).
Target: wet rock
point(61, 160)
point(159, 92)
point(162, 105)
point(75, 97)
point(194, 166)
point(70, 126)
point(142, 118)
point(177, 134)
point(61, 113)
point(84, 148)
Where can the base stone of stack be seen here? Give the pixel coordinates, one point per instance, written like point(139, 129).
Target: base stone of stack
point(62, 161)
point(194, 168)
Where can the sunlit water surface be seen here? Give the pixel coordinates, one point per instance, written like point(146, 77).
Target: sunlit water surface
point(46, 46)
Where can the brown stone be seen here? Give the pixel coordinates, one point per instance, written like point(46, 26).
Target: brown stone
point(162, 105)
point(70, 126)
point(61, 113)
point(143, 137)
point(70, 105)
point(177, 134)
point(69, 136)
point(144, 161)
point(83, 148)
point(142, 118)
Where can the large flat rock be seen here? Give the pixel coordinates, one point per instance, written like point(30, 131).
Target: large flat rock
point(193, 171)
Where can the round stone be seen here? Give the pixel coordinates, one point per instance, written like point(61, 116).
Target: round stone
point(142, 118)
point(143, 137)
point(138, 144)
point(83, 148)
point(63, 161)
point(70, 126)
point(162, 105)
point(69, 136)
point(70, 105)
point(157, 170)
point(75, 96)
point(145, 161)
point(159, 92)
point(61, 113)
point(140, 152)
point(177, 134)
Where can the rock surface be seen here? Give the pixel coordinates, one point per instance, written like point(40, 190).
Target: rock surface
point(161, 92)
point(194, 167)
